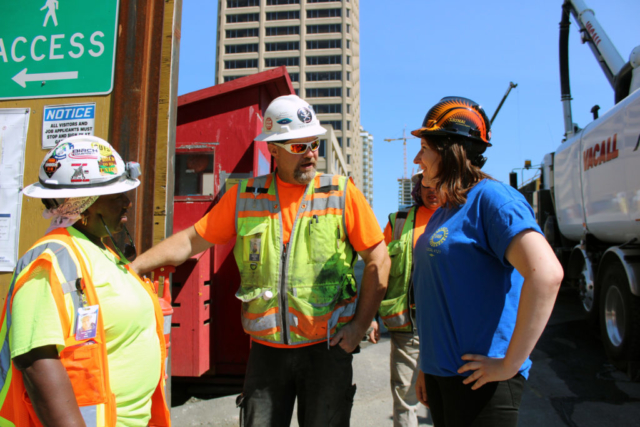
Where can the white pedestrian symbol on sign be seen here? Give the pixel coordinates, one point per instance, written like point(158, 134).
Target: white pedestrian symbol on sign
point(52, 5)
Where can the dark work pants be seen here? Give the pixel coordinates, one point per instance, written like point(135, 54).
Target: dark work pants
point(319, 377)
point(454, 404)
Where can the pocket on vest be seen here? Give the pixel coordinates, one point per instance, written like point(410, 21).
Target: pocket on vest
point(394, 312)
point(397, 254)
point(83, 365)
point(323, 239)
point(252, 238)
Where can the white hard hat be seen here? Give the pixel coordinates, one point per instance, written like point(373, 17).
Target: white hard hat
point(83, 166)
point(289, 117)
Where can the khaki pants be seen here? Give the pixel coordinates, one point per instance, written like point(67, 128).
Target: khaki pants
point(405, 350)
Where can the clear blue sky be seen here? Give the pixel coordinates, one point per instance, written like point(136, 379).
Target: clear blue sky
point(419, 51)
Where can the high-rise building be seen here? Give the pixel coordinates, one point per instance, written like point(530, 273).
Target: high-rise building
point(405, 185)
point(319, 43)
point(367, 165)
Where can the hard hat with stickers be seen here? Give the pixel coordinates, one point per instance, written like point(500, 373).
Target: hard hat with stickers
point(289, 117)
point(83, 166)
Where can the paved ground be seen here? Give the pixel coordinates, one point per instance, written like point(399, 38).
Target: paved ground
point(571, 384)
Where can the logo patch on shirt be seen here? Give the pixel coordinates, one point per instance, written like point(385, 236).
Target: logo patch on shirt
point(439, 237)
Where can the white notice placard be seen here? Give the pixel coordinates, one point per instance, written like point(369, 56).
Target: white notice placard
point(63, 121)
point(14, 123)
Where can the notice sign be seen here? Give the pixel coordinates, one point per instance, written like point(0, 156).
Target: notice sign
point(55, 48)
point(63, 121)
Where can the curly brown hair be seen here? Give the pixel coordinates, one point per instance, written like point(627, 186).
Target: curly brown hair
point(461, 160)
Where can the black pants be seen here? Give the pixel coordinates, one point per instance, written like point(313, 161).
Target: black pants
point(454, 404)
point(319, 377)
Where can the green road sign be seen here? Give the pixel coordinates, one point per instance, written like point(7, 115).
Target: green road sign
point(55, 48)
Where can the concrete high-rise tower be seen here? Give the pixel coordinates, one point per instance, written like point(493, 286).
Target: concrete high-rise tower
point(319, 43)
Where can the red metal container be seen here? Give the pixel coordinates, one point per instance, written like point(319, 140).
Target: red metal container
point(214, 150)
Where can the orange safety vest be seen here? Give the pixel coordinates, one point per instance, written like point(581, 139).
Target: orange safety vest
point(85, 360)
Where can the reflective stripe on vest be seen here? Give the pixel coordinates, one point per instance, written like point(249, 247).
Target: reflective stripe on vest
point(58, 254)
point(394, 309)
point(303, 292)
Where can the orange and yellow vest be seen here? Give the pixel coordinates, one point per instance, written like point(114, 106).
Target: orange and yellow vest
point(304, 291)
point(395, 310)
point(86, 360)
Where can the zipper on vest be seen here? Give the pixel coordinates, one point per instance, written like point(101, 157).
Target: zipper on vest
point(283, 295)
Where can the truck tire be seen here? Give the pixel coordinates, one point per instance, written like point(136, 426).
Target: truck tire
point(620, 319)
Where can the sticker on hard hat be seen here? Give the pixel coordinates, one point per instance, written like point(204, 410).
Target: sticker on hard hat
point(284, 121)
point(268, 124)
point(84, 153)
point(51, 166)
point(78, 173)
point(305, 115)
point(61, 151)
point(107, 165)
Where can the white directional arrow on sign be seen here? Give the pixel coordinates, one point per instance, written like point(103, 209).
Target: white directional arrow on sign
point(22, 77)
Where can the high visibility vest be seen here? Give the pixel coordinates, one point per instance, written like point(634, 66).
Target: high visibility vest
point(305, 291)
point(395, 310)
point(85, 360)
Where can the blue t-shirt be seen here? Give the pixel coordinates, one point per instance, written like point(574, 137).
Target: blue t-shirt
point(466, 292)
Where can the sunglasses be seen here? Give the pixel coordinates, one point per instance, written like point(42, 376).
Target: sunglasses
point(299, 147)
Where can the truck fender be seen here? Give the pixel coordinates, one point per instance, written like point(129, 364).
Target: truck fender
point(576, 260)
point(580, 272)
point(630, 260)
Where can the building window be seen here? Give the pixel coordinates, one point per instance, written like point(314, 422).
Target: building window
point(322, 148)
point(282, 31)
point(231, 78)
point(324, 44)
point(348, 12)
point(277, 2)
point(348, 159)
point(322, 92)
point(241, 63)
point(273, 47)
point(337, 125)
point(324, 76)
point(324, 60)
point(327, 108)
point(321, 1)
point(348, 60)
point(349, 75)
point(348, 28)
point(324, 13)
point(277, 62)
point(285, 14)
point(297, 91)
point(241, 48)
point(348, 91)
point(245, 17)
point(348, 44)
point(242, 3)
point(348, 108)
point(321, 29)
point(348, 142)
point(244, 32)
point(295, 77)
point(348, 125)
point(339, 138)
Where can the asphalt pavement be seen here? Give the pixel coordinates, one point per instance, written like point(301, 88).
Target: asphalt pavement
point(571, 383)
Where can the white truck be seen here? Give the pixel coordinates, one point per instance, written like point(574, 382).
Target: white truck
point(587, 199)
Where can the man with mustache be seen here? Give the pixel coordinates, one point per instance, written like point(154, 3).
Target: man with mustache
point(301, 304)
point(397, 310)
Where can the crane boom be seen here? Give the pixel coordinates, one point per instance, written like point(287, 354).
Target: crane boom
point(404, 147)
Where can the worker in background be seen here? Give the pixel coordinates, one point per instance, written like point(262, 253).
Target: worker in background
point(297, 237)
point(84, 334)
point(397, 310)
point(485, 278)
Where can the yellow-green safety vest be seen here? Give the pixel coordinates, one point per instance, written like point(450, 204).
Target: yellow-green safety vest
point(304, 291)
point(395, 310)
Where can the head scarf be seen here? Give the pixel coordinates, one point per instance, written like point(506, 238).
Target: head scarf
point(68, 212)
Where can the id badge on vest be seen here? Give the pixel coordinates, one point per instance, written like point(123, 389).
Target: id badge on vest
point(254, 248)
point(87, 324)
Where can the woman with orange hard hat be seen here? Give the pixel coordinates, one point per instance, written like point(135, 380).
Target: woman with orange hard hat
point(485, 278)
